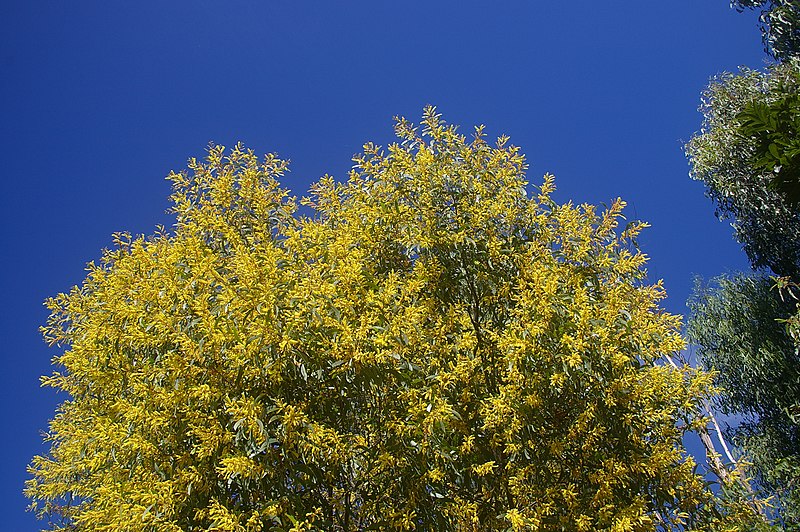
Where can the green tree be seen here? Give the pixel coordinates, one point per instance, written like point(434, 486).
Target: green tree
point(433, 349)
point(780, 25)
point(774, 128)
point(747, 155)
point(737, 327)
point(726, 160)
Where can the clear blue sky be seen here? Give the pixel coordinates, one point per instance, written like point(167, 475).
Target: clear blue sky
point(100, 100)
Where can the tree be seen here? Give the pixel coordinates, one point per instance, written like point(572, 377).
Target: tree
point(737, 327)
point(746, 155)
point(774, 127)
point(780, 25)
point(726, 160)
point(433, 349)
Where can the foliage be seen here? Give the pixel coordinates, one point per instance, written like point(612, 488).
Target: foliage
point(780, 25)
point(737, 178)
point(774, 128)
point(789, 290)
point(748, 156)
point(750, 132)
point(432, 350)
point(736, 325)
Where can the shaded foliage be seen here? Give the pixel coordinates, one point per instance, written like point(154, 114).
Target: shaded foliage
point(737, 325)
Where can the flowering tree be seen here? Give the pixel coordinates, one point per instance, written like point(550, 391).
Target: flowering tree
point(433, 349)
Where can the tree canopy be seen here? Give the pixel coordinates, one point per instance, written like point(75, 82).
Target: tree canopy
point(731, 163)
point(432, 349)
point(746, 326)
point(780, 25)
point(737, 326)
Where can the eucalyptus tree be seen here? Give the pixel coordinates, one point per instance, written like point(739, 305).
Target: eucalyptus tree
point(748, 157)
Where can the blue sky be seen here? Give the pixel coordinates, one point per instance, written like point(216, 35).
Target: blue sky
point(100, 100)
